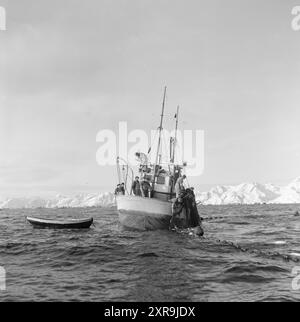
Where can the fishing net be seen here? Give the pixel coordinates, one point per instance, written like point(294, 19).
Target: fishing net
point(185, 212)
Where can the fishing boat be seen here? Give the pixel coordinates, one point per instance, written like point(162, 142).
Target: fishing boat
point(154, 209)
point(60, 224)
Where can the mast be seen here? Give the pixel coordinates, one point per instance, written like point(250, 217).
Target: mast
point(175, 139)
point(158, 154)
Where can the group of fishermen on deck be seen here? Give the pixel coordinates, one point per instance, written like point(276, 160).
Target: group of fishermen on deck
point(143, 188)
point(120, 190)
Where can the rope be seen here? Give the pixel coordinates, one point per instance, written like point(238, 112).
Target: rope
point(214, 218)
point(268, 254)
point(257, 252)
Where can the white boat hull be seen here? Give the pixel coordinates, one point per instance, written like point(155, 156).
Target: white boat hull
point(144, 213)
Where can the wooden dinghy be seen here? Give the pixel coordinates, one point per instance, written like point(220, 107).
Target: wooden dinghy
point(60, 224)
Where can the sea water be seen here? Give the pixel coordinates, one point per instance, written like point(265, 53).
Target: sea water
point(107, 263)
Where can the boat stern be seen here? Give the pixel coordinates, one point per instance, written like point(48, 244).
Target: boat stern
point(140, 213)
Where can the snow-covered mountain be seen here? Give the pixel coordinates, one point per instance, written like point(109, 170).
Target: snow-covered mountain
point(81, 200)
point(290, 193)
point(251, 193)
point(245, 193)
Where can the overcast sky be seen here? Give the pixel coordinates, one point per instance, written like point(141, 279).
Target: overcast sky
point(71, 68)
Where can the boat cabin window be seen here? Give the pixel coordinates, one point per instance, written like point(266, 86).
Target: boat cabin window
point(161, 180)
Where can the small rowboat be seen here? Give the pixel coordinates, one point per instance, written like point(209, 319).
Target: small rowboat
point(60, 224)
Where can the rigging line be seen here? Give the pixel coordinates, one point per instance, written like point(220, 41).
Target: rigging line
point(152, 142)
point(118, 170)
point(122, 175)
point(125, 179)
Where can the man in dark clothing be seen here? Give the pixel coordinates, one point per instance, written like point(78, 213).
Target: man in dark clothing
point(146, 188)
point(122, 189)
point(117, 190)
point(136, 187)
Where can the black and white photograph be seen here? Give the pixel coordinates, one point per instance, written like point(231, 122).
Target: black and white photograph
point(149, 153)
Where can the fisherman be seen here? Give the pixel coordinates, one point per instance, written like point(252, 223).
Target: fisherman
point(122, 188)
point(118, 190)
point(179, 186)
point(146, 188)
point(136, 187)
point(192, 190)
point(177, 209)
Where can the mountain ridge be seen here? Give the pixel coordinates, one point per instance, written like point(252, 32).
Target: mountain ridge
point(244, 193)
